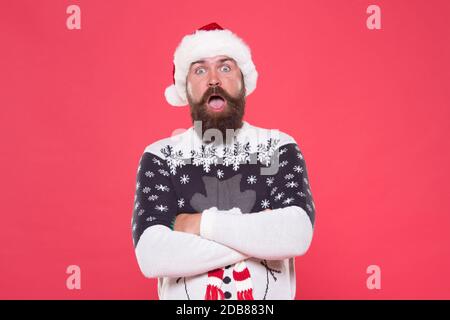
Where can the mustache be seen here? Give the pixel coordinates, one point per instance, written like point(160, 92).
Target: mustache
point(216, 90)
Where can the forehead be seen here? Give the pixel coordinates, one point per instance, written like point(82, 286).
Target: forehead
point(213, 60)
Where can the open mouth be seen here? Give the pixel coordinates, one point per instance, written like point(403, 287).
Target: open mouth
point(216, 103)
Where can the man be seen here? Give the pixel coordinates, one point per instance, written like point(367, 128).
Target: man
point(222, 209)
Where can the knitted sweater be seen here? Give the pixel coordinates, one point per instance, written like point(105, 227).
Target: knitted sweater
point(232, 185)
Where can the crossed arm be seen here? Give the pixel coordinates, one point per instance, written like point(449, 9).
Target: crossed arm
point(162, 252)
point(269, 234)
point(284, 232)
point(213, 239)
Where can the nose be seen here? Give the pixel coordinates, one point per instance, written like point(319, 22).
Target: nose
point(214, 83)
point(214, 80)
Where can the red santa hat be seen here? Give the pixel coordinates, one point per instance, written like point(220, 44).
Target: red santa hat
point(208, 41)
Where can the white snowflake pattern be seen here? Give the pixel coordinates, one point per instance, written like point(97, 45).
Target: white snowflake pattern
point(266, 151)
point(184, 179)
point(146, 190)
point(288, 200)
point(236, 155)
point(298, 169)
point(301, 194)
point(161, 187)
point(289, 176)
point(219, 174)
point(157, 161)
point(251, 179)
point(153, 197)
point(291, 184)
point(174, 159)
point(205, 157)
point(279, 196)
point(150, 219)
point(270, 181)
point(282, 151)
point(138, 184)
point(161, 208)
point(163, 172)
point(141, 211)
point(274, 189)
point(283, 163)
point(305, 180)
point(265, 204)
point(300, 156)
point(149, 174)
point(136, 205)
point(309, 207)
point(180, 203)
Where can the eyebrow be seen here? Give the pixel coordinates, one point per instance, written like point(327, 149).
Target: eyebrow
point(220, 61)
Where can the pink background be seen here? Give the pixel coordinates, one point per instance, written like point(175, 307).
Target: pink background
point(369, 108)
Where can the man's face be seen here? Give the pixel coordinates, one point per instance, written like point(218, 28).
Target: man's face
point(216, 93)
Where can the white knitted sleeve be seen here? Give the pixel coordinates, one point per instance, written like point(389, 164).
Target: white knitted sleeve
point(283, 232)
point(162, 252)
point(273, 235)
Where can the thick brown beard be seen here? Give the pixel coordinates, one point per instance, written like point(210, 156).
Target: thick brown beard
point(230, 118)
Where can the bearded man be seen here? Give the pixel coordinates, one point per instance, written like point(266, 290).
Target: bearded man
point(222, 209)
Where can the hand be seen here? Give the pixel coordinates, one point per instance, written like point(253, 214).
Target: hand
point(188, 222)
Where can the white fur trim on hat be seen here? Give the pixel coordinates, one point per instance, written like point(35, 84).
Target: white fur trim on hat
point(204, 44)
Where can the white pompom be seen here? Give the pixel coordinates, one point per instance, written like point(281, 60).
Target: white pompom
point(173, 98)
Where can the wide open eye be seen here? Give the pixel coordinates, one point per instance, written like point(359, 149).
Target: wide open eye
point(200, 70)
point(225, 68)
